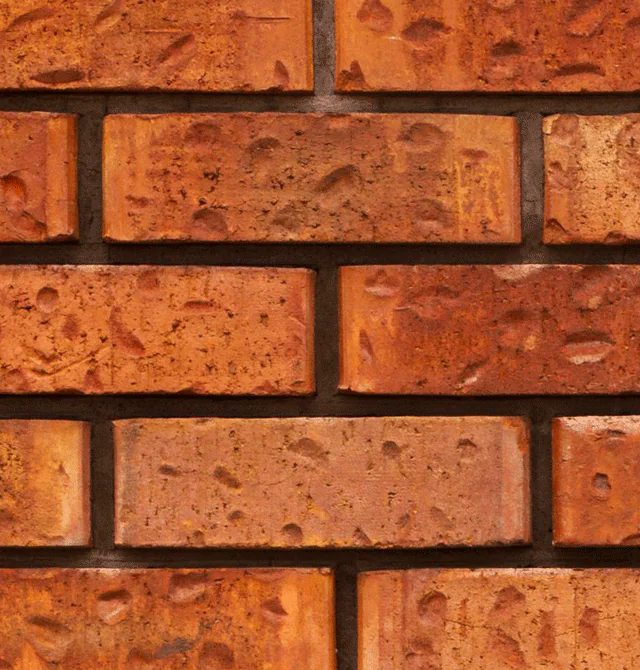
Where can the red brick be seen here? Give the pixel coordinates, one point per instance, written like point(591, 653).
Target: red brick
point(143, 619)
point(234, 45)
point(498, 619)
point(44, 483)
point(592, 170)
point(494, 45)
point(596, 465)
point(311, 178)
point(490, 330)
point(322, 482)
point(37, 177)
point(153, 329)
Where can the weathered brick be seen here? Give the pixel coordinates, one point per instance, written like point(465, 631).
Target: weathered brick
point(156, 329)
point(143, 619)
point(493, 45)
point(44, 483)
point(337, 482)
point(312, 178)
point(596, 464)
point(37, 177)
point(592, 169)
point(232, 45)
point(498, 619)
point(490, 330)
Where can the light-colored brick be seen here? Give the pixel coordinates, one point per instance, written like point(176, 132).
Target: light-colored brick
point(37, 177)
point(322, 482)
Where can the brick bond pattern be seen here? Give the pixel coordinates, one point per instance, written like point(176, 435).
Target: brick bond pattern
point(277, 371)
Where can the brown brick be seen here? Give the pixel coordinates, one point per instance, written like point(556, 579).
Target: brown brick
point(44, 483)
point(498, 619)
point(592, 171)
point(37, 176)
point(322, 482)
point(312, 178)
point(490, 330)
point(153, 329)
point(596, 465)
point(493, 45)
point(232, 45)
point(143, 619)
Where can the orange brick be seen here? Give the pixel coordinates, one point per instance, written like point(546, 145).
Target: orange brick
point(596, 464)
point(311, 178)
point(322, 482)
point(44, 483)
point(191, 619)
point(234, 45)
point(592, 169)
point(490, 330)
point(155, 329)
point(494, 45)
point(498, 619)
point(37, 177)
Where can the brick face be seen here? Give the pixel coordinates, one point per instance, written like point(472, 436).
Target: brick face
point(37, 177)
point(489, 330)
point(400, 482)
point(496, 45)
point(232, 45)
point(146, 329)
point(479, 619)
point(592, 169)
point(596, 464)
point(44, 483)
point(191, 619)
point(312, 178)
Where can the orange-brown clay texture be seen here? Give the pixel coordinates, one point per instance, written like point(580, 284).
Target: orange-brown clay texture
point(322, 482)
point(498, 619)
point(44, 483)
point(488, 45)
point(490, 330)
point(151, 329)
point(37, 176)
point(170, 619)
point(596, 466)
point(311, 178)
point(227, 45)
point(592, 175)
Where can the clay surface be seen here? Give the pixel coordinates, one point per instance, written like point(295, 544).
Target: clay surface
point(37, 176)
point(498, 619)
point(227, 45)
point(592, 184)
point(311, 178)
point(44, 483)
point(596, 466)
point(156, 329)
point(221, 619)
point(488, 45)
point(322, 482)
point(490, 330)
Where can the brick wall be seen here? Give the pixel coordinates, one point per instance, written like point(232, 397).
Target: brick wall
point(318, 334)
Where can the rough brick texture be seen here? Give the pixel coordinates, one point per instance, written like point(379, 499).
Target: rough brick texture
point(401, 482)
point(493, 45)
point(498, 619)
point(37, 177)
point(490, 330)
point(312, 178)
point(147, 329)
point(596, 465)
point(44, 483)
point(143, 619)
point(230, 45)
point(592, 189)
